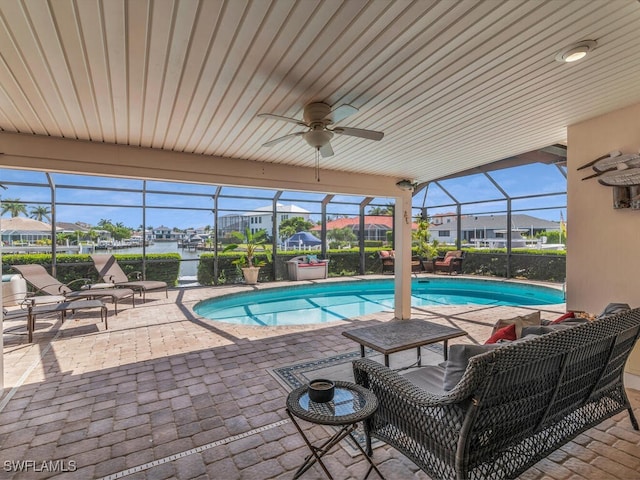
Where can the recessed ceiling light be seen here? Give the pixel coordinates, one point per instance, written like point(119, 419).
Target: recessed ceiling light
point(576, 51)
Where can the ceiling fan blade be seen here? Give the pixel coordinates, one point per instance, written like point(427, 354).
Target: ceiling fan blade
point(326, 150)
point(280, 117)
point(341, 112)
point(281, 139)
point(359, 132)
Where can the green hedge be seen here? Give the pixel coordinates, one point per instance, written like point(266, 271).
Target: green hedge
point(525, 263)
point(228, 273)
point(160, 266)
point(529, 264)
point(341, 263)
point(545, 265)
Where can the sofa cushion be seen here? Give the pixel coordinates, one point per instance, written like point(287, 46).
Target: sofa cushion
point(459, 356)
point(542, 329)
point(443, 263)
point(521, 321)
point(429, 378)
point(505, 333)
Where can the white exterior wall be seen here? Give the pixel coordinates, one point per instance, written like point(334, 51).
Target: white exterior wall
point(263, 220)
point(603, 260)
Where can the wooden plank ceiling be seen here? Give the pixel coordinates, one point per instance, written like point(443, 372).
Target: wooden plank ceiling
point(453, 84)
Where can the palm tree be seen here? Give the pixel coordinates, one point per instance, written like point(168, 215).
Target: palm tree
point(40, 213)
point(14, 207)
point(388, 210)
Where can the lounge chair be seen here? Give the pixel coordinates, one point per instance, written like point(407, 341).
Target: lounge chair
point(39, 278)
point(30, 310)
point(111, 273)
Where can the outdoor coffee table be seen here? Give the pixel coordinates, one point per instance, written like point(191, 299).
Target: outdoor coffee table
point(399, 335)
point(351, 404)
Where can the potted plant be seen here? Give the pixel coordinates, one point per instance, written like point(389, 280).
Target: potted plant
point(426, 250)
point(247, 262)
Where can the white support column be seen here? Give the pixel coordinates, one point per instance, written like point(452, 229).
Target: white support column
point(2, 317)
point(402, 233)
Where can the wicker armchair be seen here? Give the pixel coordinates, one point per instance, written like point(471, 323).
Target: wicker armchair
point(451, 262)
point(513, 406)
point(387, 260)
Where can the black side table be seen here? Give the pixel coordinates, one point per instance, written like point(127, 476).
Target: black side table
point(351, 404)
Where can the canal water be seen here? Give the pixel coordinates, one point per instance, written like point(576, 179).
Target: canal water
point(188, 265)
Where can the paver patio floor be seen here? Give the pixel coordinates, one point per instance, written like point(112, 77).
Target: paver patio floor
point(166, 394)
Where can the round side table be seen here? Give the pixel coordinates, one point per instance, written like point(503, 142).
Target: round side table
point(351, 404)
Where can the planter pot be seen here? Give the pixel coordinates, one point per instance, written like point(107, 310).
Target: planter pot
point(427, 264)
point(250, 275)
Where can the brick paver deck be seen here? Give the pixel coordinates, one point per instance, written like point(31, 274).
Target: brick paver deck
point(166, 394)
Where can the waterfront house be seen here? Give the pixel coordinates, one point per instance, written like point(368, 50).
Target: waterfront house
point(21, 231)
point(488, 230)
point(262, 218)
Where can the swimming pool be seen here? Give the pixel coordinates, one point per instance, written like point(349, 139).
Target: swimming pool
point(328, 302)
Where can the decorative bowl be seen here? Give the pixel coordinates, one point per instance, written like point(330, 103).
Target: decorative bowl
point(321, 390)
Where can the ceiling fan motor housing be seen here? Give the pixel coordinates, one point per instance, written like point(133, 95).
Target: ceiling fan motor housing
point(316, 112)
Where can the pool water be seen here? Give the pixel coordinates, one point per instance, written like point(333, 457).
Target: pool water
point(328, 302)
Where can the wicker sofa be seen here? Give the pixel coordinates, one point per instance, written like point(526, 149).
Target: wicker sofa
point(513, 406)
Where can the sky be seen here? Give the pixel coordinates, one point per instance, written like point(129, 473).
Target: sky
point(89, 199)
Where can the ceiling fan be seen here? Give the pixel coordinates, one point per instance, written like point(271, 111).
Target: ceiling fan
point(318, 117)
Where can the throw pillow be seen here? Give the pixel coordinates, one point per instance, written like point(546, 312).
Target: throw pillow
point(529, 320)
point(312, 259)
point(459, 356)
point(505, 333)
point(614, 308)
point(563, 318)
point(385, 253)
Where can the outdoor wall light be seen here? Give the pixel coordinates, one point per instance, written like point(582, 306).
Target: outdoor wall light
point(405, 185)
point(575, 52)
